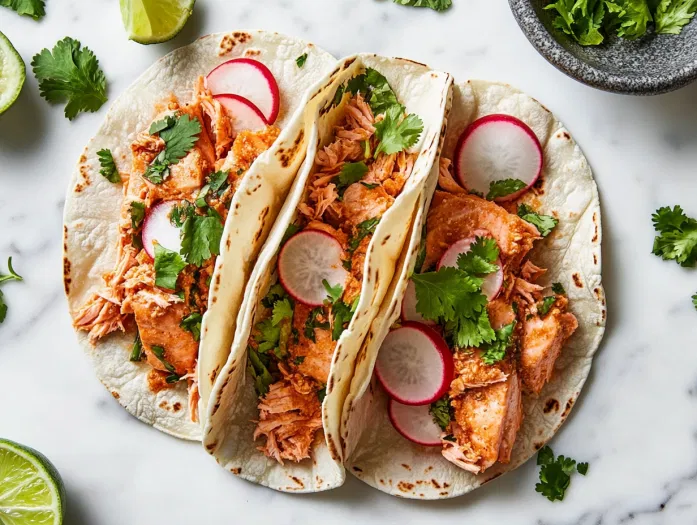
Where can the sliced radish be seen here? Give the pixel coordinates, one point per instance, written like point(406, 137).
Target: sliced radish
point(414, 364)
point(307, 260)
point(409, 312)
point(158, 227)
point(492, 283)
point(243, 114)
point(249, 79)
point(495, 148)
point(414, 423)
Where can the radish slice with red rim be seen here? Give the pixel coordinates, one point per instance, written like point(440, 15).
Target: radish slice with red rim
point(249, 79)
point(243, 114)
point(414, 365)
point(308, 259)
point(492, 283)
point(157, 226)
point(496, 148)
point(415, 423)
point(409, 312)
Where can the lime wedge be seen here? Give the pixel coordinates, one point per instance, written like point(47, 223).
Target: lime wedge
point(12, 73)
point(31, 490)
point(154, 21)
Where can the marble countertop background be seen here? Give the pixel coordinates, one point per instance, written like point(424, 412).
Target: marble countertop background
point(636, 422)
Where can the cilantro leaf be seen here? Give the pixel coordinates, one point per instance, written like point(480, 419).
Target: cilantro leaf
point(672, 15)
point(496, 350)
point(137, 349)
point(69, 73)
point(261, 376)
point(677, 239)
point(159, 352)
point(544, 223)
point(441, 411)
point(694, 301)
point(504, 187)
point(363, 229)
point(436, 5)
point(376, 90)
point(311, 323)
point(439, 293)
point(558, 289)
point(321, 394)
point(33, 8)
point(275, 293)
point(192, 323)
point(396, 133)
point(300, 61)
point(137, 210)
point(282, 310)
point(159, 125)
point(108, 166)
point(269, 335)
point(12, 276)
point(168, 265)
point(341, 314)
point(582, 468)
point(350, 172)
point(334, 293)
point(179, 134)
point(555, 474)
point(218, 181)
point(298, 360)
point(3, 307)
point(201, 235)
point(480, 258)
point(546, 305)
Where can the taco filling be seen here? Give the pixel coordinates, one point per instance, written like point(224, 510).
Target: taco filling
point(476, 295)
point(355, 179)
point(184, 173)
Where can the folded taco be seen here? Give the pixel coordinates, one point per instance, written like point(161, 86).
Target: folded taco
point(274, 412)
point(168, 208)
point(490, 326)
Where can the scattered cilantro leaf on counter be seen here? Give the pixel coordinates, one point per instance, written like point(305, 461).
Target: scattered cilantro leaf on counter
point(257, 368)
point(33, 8)
point(201, 235)
point(672, 15)
point(558, 289)
point(179, 134)
point(300, 61)
point(70, 73)
point(544, 223)
point(108, 166)
point(555, 474)
point(694, 301)
point(546, 305)
point(363, 229)
point(441, 411)
point(350, 173)
point(677, 236)
point(496, 350)
point(504, 187)
point(137, 349)
point(3, 307)
point(396, 133)
point(334, 293)
point(12, 276)
point(192, 323)
point(436, 5)
point(168, 265)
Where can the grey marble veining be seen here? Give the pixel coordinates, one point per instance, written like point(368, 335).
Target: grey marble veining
point(636, 421)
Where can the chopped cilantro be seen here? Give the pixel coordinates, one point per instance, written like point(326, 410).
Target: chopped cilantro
point(544, 223)
point(436, 5)
point(677, 239)
point(160, 125)
point(321, 394)
point(370, 186)
point(366, 148)
point(555, 474)
point(282, 309)
point(477, 261)
point(341, 314)
point(311, 323)
point(441, 411)
point(33, 8)
point(201, 235)
point(70, 73)
point(192, 323)
point(201, 197)
point(159, 352)
point(299, 360)
point(496, 350)
point(546, 305)
point(558, 289)
point(338, 95)
point(258, 370)
point(450, 438)
point(218, 181)
point(137, 350)
point(334, 293)
point(504, 187)
point(268, 337)
point(108, 166)
point(396, 132)
point(350, 172)
point(137, 210)
point(300, 61)
point(168, 265)
point(363, 229)
point(275, 293)
point(180, 134)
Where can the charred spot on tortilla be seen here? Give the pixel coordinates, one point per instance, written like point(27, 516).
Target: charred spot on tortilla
point(214, 374)
point(236, 470)
point(229, 41)
point(252, 53)
point(66, 275)
point(406, 466)
point(552, 405)
point(577, 280)
point(264, 214)
point(211, 446)
point(387, 238)
point(177, 406)
point(405, 486)
point(164, 405)
point(595, 258)
point(115, 394)
point(228, 244)
point(567, 409)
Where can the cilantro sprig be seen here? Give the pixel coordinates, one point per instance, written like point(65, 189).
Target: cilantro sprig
point(496, 350)
point(159, 352)
point(179, 134)
point(544, 223)
point(12, 276)
point(436, 5)
point(108, 166)
point(546, 304)
point(555, 474)
point(397, 132)
point(677, 236)
point(350, 173)
point(363, 229)
point(504, 187)
point(33, 8)
point(192, 323)
point(168, 266)
point(70, 73)
point(200, 235)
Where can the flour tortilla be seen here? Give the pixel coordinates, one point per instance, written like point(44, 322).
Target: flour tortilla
point(93, 205)
point(229, 430)
point(376, 453)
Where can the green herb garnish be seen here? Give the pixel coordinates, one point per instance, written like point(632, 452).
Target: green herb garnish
point(108, 166)
point(558, 289)
point(677, 236)
point(350, 173)
point(159, 352)
point(504, 187)
point(180, 134)
point(300, 61)
point(441, 411)
point(258, 370)
point(201, 235)
point(496, 350)
point(33, 8)
point(363, 229)
point(397, 132)
point(192, 323)
point(13, 276)
point(544, 223)
point(168, 266)
point(546, 305)
point(436, 5)
point(137, 350)
point(555, 474)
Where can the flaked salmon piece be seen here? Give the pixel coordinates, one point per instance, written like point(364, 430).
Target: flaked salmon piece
point(456, 216)
point(514, 418)
point(529, 292)
point(323, 197)
point(542, 341)
point(446, 182)
point(217, 121)
point(531, 272)
point(186, 178)
point(194, 396)
point(144, 150)
point(381, 169)
point(341, 150)
point(316, 356)
point(482, 423)
point(339, 235)
point(360, 204)
point(99, 316)
point(203, 144)
point(500, 313)
point(472, 372)
point(289, 421)
point(359, 114)
point(159, 326)
point(354, 283)
point(404, 166)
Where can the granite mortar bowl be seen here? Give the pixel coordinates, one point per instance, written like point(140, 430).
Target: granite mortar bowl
point(650, 65)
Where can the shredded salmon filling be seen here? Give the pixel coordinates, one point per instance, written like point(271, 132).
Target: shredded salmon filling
point(486, 399)
point(290, 412)
point(130, 297)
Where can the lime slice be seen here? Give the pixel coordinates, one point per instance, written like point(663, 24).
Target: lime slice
point(12, 73)
point(31, 490)
point(154, 21)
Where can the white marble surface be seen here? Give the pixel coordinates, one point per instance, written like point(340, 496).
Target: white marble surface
point(636, 421)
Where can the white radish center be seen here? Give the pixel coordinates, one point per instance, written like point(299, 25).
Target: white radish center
point(158, 227)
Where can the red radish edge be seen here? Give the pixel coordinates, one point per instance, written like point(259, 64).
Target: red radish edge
point(157, 224)
point(446, 363)
point(497, 117)
point(492, 282)
point(402, 416)
point(272, 115)
point(408, 310)
point(285, 280)
point(229, 102)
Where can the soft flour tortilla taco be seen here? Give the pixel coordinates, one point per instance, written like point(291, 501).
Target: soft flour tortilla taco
point(274, 411)
point(168, 208)
point(491, 325)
